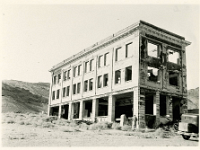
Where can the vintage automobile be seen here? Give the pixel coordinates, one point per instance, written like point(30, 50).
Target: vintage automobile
point(189, 125)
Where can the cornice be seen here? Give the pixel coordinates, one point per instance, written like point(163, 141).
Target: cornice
point(164, 35)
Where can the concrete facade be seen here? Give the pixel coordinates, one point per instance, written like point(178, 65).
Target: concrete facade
point(140, 70)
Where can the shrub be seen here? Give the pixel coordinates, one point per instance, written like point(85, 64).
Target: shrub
point(50, 119)
point(116, 126)
point(84, 126)
point(10, 121)
point(27, 123)
point(126, 128)
point(21, 123)
point(162, 133)
point(47, 125)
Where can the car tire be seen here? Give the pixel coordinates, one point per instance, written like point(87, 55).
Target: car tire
point(186, 137)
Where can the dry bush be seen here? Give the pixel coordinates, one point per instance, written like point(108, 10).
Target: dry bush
point(47, 125)
point(50, 118)
point(84, 126)
point(21, 122)
point(164, 134)
point(10, 121)
point(116, 126)
point(73, 124)
point(99, 126)
point(126, 128)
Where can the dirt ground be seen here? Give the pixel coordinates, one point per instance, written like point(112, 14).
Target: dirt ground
point(15, 135)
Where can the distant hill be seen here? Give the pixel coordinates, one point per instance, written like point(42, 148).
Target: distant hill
point(193, 98)
point(18, 96)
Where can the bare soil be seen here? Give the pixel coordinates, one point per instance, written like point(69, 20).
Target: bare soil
point(16, 135)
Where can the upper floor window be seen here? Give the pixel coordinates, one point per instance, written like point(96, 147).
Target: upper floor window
point(129, 50)
point(74, 88)
point(106, 59)
point(152, 50)
point(99, 82)
point(75, 71)
point(91, 84)
point(100, 61)
point(64, 91)
point(173, 56)
point(86, 86)
point(152, 74)
point(68, 74)
point(128, 73)
point(64, 75)
point(58, 94)
point(79, 69)
point(86, 66)
point(118, 55)
point(68, 90)
point(78, 87)
point(105, 80)
point(53, 95)
point(54, 80)
point(59, 78)
point(117, 76)
point(173, 78)
point(91, 64)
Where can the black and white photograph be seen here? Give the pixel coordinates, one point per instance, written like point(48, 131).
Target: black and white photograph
point(79, 74)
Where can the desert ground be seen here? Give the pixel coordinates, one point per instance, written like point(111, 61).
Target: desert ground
point(31, 130)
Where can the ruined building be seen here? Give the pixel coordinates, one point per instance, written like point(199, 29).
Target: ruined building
point(140, 70)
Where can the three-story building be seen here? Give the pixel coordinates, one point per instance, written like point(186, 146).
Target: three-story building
point(140, 70)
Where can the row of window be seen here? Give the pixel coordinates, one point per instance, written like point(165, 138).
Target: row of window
point(89, 65)
point(154, 72)
point(56, 94)
point(153, 50)
point(120, 54)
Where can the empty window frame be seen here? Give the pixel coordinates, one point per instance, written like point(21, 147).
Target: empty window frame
point(117, 54)
point(99, 82)
point(118, 76)
point(129, 50)
point(79, 69)
point(106, 59)
point(74, 88)
point(64, 91)
point(59, 78)
point(91, 64)
point(173, 56)
point(105, 80)
point(68, 90)
point(53, 96)
point(68, 74)
point(152, 50)
point(90, 84)
point(128, 73)
point(57, 94)
point(65, 76)
point(173, 78)
point(100, 61)
point(78, 87)
point(152, 74)
point(54, 80)
point(85, 85)
point(86, 66)
point(75, 71)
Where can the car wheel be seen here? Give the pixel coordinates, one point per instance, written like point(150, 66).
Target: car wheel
point(186, 137)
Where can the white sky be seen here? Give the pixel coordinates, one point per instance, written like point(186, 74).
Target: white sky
point(35, 37)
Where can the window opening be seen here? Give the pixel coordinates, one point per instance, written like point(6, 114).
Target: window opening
point(118, 77)
point(128, 73)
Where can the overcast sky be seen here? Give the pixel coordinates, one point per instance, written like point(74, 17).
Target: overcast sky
point(36, 37)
